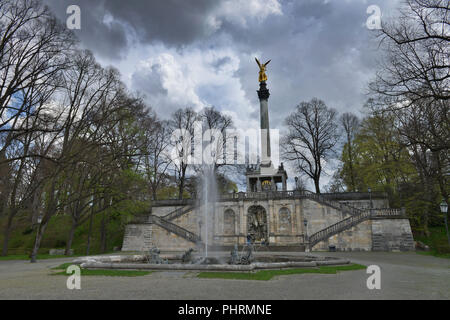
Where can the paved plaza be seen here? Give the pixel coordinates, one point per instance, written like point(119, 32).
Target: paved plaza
point(403, 276)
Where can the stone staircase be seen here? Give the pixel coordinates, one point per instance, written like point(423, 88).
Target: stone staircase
point(165, 223)
point(345, 224)
point(171, 227)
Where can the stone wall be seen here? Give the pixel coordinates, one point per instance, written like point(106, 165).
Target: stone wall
point(392, 235)
point(137, 237)
point(319, 216)
point(167, 241)
point(285, 219)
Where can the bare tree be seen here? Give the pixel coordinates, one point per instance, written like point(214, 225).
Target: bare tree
point(33, 49)
point(350, 123)
point(416, 46)
point(157, 158)
point(89, 99)
point(182, 128)
point(425, 131)
point(312, 136)
point(215, 125)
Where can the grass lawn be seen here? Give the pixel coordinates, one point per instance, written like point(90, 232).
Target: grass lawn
point(39, 257)
point(434, 253)
point(269, 274)
point(100, 272)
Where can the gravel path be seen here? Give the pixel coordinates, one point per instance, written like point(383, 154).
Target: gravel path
point(403, 276)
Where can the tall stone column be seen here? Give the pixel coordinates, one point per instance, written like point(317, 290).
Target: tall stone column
point(263, 95)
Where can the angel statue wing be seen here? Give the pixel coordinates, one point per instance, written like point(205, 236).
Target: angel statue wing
point(259, 63)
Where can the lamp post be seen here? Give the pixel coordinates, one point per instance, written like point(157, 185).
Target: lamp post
point(444, 210)
point(305, 223)
point(370, 197)
point(296, 183)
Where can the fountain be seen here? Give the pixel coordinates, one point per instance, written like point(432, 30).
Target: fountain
point(154, 258)
point(209, 196)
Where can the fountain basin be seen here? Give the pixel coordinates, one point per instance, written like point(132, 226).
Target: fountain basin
point(137, 262)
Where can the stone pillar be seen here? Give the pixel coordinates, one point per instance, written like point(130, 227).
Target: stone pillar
point(271, 223)
point(299, 216)
point(242, 222)
point(284, 183)
point(263, 95)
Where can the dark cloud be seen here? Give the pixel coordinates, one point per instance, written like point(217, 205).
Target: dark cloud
point(108, 26)
point(170, 21)
point(319, 48)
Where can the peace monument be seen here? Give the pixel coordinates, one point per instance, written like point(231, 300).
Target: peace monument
point(270, 215)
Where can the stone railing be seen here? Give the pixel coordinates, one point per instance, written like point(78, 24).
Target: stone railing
point(388, 212)
point(173, 202)
point(326, 198)
point(178, 213)
point(141, 219)
point(354, 195)
point(269, 195)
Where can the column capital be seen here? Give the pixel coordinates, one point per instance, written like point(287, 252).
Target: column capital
point(263, 92)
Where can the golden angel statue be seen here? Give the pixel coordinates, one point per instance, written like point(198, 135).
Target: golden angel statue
point(262, 70)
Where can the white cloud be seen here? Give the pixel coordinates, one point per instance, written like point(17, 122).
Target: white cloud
point(240, 11)
point(196, 78)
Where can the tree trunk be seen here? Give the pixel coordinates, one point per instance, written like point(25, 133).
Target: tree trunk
point(70, 238)
point(103, 239)
point(37, 242)
point(88, 247)
point(6, 236)
point(316, 184)
point(440, 177)
point(180, 189)
point(350, 163)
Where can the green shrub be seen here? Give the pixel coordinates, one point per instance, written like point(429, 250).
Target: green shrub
point(60, 243)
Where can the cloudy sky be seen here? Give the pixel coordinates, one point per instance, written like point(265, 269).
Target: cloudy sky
point(198, 53)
